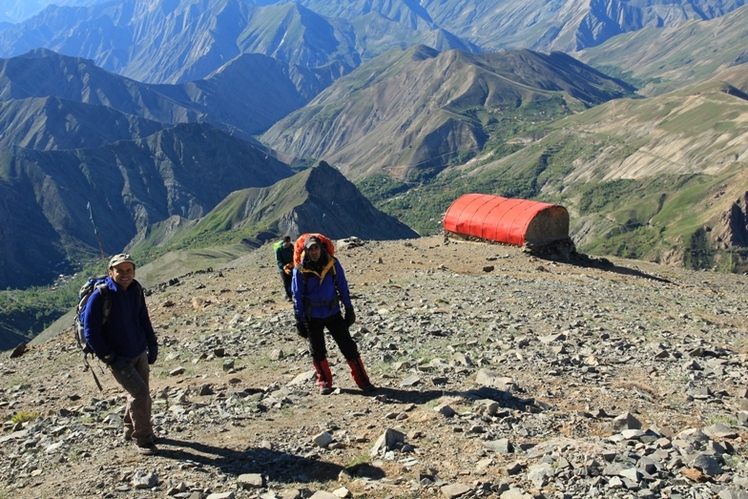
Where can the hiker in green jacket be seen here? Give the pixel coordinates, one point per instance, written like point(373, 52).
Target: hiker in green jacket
point(284, 259)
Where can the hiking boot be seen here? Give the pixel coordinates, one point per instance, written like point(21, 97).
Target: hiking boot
point(368, 388)
point(147, 449)
point(325, 390)
point(128, 437)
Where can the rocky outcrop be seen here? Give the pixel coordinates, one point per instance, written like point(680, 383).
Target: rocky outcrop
point(335, 207)
point(732, 229)
point(319, 199)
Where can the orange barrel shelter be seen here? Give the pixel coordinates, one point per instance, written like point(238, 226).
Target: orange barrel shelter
point(511, 221)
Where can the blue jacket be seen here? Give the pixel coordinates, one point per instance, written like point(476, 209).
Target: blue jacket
point(319, 288)
point(128, 332)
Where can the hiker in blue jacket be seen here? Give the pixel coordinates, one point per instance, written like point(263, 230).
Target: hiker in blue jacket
point(319, 286)
point(127, 343)
point(284, 259)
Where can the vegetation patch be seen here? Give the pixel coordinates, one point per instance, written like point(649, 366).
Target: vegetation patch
point(597, 197)
point(23, 416)
point(26, 312)
point(626, 76)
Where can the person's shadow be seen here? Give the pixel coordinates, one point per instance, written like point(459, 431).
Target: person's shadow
point(504, 398)
point(276, 466)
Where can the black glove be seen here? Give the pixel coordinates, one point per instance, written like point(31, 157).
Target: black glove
point(152, 352)
point(116, 362)
point(302, 329)
point(350, 317)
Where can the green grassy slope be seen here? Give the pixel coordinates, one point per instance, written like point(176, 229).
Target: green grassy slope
point(650, 179)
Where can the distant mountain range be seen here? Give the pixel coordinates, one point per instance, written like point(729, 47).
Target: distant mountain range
point(15, 11)
point(665, 59)
point(245, 96)
point(167, 41)
point(162, 41)
point(84, 120)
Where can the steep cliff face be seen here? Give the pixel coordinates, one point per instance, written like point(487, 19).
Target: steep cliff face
point(732, 229)
point(606, 19)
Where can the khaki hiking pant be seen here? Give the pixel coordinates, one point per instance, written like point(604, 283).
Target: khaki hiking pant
point(134, 379)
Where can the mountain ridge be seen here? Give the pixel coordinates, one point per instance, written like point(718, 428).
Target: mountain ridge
point(129, 183)
point(669, 58)
point(47, 123)
point(117, 34)
point(245, 96)
point(431, 122)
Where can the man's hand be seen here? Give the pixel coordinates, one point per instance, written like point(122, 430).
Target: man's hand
point(116, 362)
point(350, 317)
point(302, 329)
point(152, 352)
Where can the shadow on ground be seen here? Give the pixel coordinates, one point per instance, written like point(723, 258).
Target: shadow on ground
point(503, 398)
point(564, 252)
point(285, 467)
point(582, 260)
point(279, 467)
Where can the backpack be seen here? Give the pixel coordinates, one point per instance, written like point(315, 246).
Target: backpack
point(84, 294)
point(298, 250)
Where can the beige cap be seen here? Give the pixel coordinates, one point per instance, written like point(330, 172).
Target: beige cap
point(121, 258)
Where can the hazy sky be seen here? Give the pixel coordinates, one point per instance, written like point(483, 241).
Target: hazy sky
point(14, 11)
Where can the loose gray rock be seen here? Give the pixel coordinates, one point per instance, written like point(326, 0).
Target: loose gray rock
point(455, 490)
point(250, 481)
point(389, 440)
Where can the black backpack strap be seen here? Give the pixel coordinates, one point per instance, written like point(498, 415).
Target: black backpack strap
point(107, 303)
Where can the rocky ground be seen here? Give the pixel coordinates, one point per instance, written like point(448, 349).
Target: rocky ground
point(500, 375)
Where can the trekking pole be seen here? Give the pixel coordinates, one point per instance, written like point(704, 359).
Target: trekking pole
point(96, 229)
point(90, 368)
